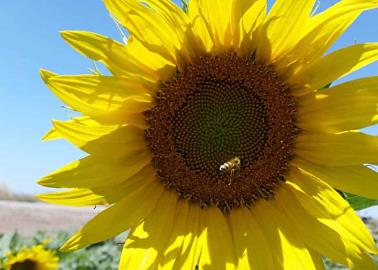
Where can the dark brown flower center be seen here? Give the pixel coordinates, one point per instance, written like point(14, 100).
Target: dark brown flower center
point(221, 131)
point(24, 265)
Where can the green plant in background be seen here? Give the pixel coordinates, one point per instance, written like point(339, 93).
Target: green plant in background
point(358, 202)
point(101, 256)
point(28, 257)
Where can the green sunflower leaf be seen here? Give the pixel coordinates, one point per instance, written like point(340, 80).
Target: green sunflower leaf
point(185, 5)
point(5, 243)
point(326, 86)
point(359, 203)
point(16, 241)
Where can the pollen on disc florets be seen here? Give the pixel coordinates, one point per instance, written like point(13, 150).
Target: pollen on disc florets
point(221, 109)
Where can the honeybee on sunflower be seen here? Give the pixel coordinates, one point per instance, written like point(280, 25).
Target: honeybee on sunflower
point(192, 90)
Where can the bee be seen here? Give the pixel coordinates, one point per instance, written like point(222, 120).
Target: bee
point(230, 167)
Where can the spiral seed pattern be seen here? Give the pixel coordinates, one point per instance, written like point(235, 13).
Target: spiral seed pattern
point(217, 109)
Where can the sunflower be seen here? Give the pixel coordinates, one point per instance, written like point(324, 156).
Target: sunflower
point(217, 141)
point(33, 258)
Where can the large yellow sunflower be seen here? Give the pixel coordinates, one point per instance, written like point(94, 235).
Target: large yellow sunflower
point(33, 258)
point(214, 142)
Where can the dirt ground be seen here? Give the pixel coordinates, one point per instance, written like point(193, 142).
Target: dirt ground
point(27, 218)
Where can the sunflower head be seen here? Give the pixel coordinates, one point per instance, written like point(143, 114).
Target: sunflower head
point(214, 140)
point(33, 258)
point(221, 108)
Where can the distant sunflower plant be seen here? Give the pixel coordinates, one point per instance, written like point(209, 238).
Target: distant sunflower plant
point(214, 140)
point(33, 258)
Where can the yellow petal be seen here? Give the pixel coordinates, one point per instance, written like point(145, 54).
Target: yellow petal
point(342, 149)
point(91, 172)
point(218, 236)
point(247, 17)
point(288, 249)
point(110, 98)
point(45, 74)
point(322, 30)
point(73, 197)
point(202, 37)
point(178, 21)
point(316, 258)
point(348, 106)
point(314, 210)
point(81, 132)
point(335, 65)
point(119, 58)
point(107, 194)
point(97, 47)
point(285, 23)
point(111, 141)
point(252, 249)
point(161, 69)
point(103, 49)
point(88, 122)
point(153, 27)
point(149, 239)
point(357, 179)
point(52, 134)
point(331, 244)
point(192, 239)
point(329, 207)
point(177, 236)
point(171, 12)
point(216, 17)
point(123, 215)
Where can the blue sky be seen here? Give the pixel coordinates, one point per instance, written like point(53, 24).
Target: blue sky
point(30, 40)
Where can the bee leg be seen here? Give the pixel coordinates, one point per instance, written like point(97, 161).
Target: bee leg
point(231, 174)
